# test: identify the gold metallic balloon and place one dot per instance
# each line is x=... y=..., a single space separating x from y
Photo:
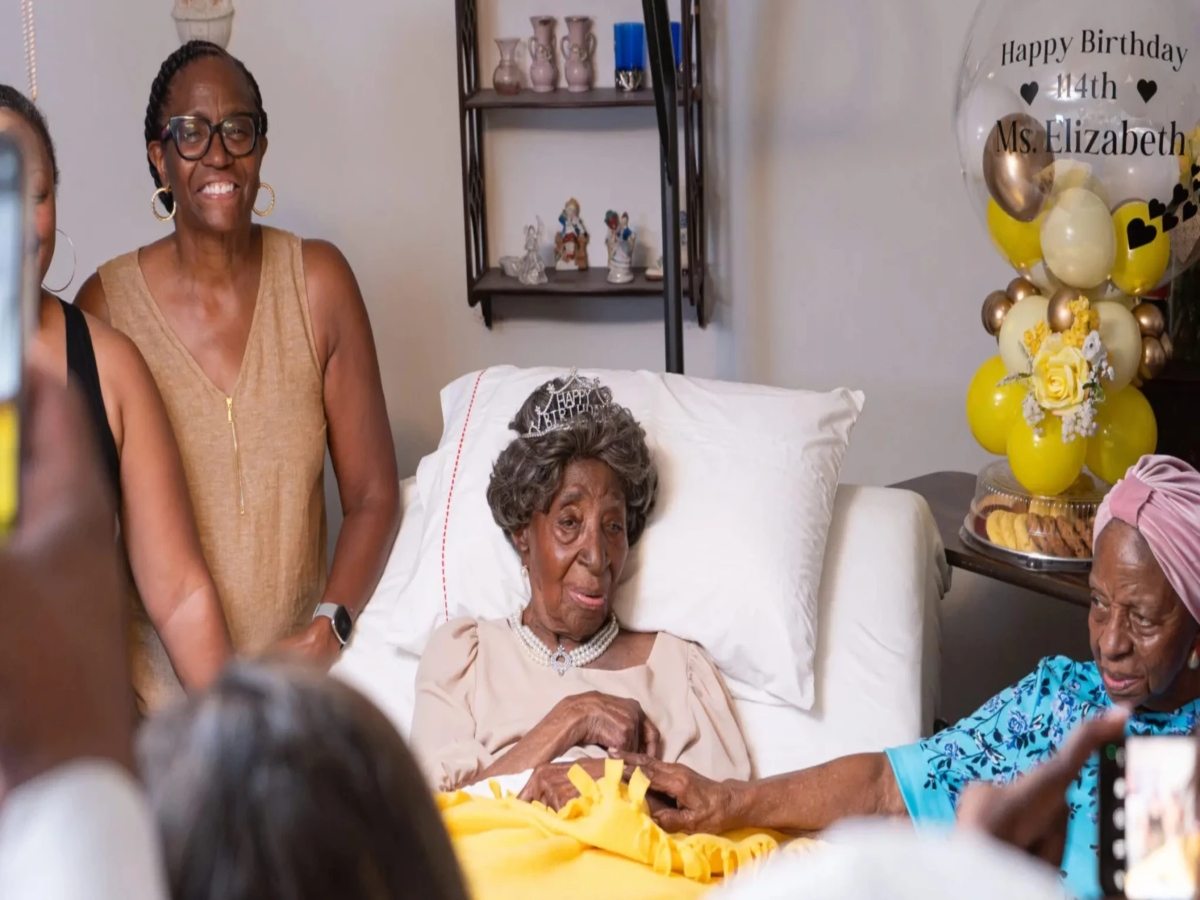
x=1018 y=166
x=1168 y=345
x=1059 y=314
x=1154 y=359
x=995 y=308
x=1020 y=288
x=1150 y=319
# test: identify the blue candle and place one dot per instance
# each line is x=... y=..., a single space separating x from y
x=630 y=45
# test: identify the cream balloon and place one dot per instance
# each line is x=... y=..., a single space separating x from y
x=1022 y=317
x=1122 y=337
x=1078 y=240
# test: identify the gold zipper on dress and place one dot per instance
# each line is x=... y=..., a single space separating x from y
x=237 y=457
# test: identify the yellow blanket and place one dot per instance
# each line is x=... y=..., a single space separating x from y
x=602 y=844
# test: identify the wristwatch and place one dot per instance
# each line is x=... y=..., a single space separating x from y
x=339 y=620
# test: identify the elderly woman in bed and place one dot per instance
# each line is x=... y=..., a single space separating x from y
x=1145 y=644
x=560 y=679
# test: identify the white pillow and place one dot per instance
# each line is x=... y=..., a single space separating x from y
x=731 y=557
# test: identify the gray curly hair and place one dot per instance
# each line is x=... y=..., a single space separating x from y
x=529 y=471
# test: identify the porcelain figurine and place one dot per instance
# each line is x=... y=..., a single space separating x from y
x=571 y=242
x=543 y=73
x=578 y=48
x=531 y=269
x=621 y=243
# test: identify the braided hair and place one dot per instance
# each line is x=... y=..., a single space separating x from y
x=160 y=90
x=12 y=99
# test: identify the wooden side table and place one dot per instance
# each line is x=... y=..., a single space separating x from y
x=949 y=495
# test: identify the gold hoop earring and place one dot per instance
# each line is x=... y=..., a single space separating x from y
x=266 y=212
x=154 y=205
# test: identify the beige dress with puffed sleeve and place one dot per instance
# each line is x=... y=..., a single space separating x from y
x=478 y=693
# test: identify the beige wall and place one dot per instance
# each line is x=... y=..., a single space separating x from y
x=844 y=249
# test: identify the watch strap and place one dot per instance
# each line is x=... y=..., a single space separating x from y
x=339 y=620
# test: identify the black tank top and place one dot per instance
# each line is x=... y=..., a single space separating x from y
x=82 y=372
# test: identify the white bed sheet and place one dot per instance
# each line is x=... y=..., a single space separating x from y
x=877 y=648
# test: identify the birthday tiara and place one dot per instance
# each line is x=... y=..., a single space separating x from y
x=574 y=398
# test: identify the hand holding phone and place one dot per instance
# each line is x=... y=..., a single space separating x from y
x=17 y=288
x=1149 y=839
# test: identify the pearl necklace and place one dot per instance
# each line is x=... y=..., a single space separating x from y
x=562 y=659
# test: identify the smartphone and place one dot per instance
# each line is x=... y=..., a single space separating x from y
x=16 y=273
x=1149 y=839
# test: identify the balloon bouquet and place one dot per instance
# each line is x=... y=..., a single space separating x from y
x=1078 y=134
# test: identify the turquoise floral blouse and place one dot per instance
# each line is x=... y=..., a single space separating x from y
x=1010 y=734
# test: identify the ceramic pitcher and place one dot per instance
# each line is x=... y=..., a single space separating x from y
x=543 y=74
x=578 y=47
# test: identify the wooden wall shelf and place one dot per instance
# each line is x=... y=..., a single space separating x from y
x=597 y=98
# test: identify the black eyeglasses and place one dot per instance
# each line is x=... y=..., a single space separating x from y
x=193 y=135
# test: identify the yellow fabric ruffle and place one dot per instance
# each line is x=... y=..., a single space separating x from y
x=603 y=843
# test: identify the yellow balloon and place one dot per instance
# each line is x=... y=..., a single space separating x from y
x=1042 y=463
x=1140 y=269
x=1020 y=319
x=1020 y=242
x=992 y=408
x=1126 y=431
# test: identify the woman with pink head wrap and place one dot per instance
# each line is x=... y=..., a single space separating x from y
x=1144 y=628
x=1145 y=583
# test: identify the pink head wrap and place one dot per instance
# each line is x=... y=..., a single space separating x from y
x=1160 y=497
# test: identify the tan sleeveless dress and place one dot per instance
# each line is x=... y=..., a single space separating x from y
x=254 y=461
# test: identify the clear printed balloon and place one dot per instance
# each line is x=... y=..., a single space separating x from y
x=1073 y=112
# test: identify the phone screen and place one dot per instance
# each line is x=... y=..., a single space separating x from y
x=1149 y=834
x=12 y=337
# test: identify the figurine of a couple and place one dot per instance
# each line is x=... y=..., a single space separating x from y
x=621 y=242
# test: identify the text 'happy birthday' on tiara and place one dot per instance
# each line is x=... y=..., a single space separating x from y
x=574 y=398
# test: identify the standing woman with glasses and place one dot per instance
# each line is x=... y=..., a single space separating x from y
x=261 y=347
x=132 y=434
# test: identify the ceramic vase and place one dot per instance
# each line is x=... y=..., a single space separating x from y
x=204 y=20
x=507 y=77
x=578 y=47
x=543 y=74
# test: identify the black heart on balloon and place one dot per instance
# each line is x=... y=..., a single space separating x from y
x=1181 y=195
x=1195 y=171
x=1147 y=89
x=1189 y=211
x=1157 y=209
x=1170 y=223
x=1029 y=92
x=1140 y=234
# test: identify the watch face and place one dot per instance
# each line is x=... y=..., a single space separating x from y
x=342 y=624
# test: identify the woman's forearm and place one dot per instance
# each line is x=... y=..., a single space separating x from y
x=543 y=744
x=813 y=799
x=196 y=638
x=362 y=551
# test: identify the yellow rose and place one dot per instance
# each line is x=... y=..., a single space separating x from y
x=1059 y=375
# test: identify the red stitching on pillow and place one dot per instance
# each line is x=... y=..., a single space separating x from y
x=450 y=494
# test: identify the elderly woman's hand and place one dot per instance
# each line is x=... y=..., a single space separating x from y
x=549 y=784
x=614 y=723
x=701 y=806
